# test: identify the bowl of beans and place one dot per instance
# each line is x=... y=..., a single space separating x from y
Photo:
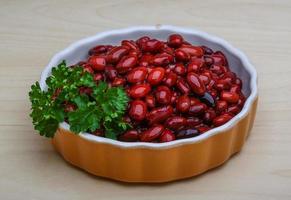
x=192 y=103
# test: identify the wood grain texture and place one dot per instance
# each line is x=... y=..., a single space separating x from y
x=31 y=32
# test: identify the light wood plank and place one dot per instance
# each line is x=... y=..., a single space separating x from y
x=32 y=31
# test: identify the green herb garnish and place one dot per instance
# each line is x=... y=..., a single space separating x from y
x=103 y=108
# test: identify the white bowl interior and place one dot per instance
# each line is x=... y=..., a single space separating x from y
x=237 y=61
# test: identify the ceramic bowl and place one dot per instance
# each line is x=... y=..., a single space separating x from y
x=157 y=162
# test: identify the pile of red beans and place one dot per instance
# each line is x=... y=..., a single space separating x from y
x=177 y=90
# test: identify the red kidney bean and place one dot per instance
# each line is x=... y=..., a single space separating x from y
x=215 y=77
x=126 y=64
x=98 y=77
x=159 y=114
x=238 y=82
x=145 y=60
x=85 y=90
x=167 y=71
x=167 y=136
x=224 y=69
x=207 y=73
x=139 y=91
x=97 y=50
x=98 y=63
x=56 y=94
x=171 y=57
x=205 y=79
x=152 y=133
x=235 y=89
x=230 y=75
x=187 y=133
x=197 y=109
x=227 y=80
x=150 y=68
x=234 y=109
x=69 y=107
x=219 y=53
x=207 y=50
x=136 y=75
x=241 y=101
x=180 y=69
x=176 y=123
x=193 y=122
x=116 y=53
x=208 y=116
x=151 y=45
x=162 y=59
x=175 y=40
x=211 y=85
x=208 y=60
x=183 y=104
x=174 y=97
x=208 y=99
x=182 y=55
x=109 y=47
x=142 y=40
x=183 y=86
x=87 y=68
x=222 y=85
x=168 y=50
x=150 y=101
x=118 y=82
x=130 y=44
x=163 y=95
x=134 y=53
x=173 y=100
x=194 y=101
x=110 y=72
x=221 y=106
x=195 y=83
x=221 y=119
x=127 y=119
x=129 y=136
x=99 y=133
x=192 y=50
x=230 y=97
x=217 y=69
x=195 y=65
x=203 y=129
x=81 y=64
x=170 y=79
x=171 y=67
x=213 y=93
x=218 y=60
x=156 y=75
x=138 y=110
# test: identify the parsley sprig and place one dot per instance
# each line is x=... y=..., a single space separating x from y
x=102 y=109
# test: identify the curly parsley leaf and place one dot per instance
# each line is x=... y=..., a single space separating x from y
x=86 y=117
x=103 y=108
x=46 y=114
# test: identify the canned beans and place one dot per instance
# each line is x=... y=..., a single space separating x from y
x=177 y=90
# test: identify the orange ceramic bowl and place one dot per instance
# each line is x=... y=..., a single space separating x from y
x=157 y=162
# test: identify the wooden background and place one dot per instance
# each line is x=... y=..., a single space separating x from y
x=31 y=32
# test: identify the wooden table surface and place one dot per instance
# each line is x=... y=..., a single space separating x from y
x=31 y=32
